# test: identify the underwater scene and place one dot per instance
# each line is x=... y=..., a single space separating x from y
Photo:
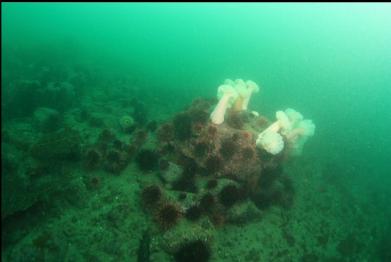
x=196 y=132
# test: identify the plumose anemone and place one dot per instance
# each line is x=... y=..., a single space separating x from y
x=252 y=88
x=272 y=142
x=227 y=95
x=292 y=126
x=301 y=130
x=270 y=139
x=244 y=90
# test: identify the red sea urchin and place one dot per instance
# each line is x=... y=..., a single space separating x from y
x=248 y=153
x=247 y=135
x=168 y=215
x=197 y=128
x=199 y=116
x=228 y=149
x=212 y=131
x=200 y=149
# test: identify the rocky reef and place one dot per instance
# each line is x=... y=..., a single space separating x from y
x=213 y=173
x=213 y=164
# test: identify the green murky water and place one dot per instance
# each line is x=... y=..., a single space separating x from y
x=87 y=87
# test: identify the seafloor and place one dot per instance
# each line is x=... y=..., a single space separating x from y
x=75 y=176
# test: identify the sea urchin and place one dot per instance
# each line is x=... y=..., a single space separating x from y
x=168 y=215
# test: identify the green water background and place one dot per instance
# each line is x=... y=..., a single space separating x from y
x=331 y=62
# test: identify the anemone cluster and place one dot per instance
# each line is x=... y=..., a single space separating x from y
x=217 y=162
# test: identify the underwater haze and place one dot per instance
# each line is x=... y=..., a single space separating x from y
x=112 y=147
